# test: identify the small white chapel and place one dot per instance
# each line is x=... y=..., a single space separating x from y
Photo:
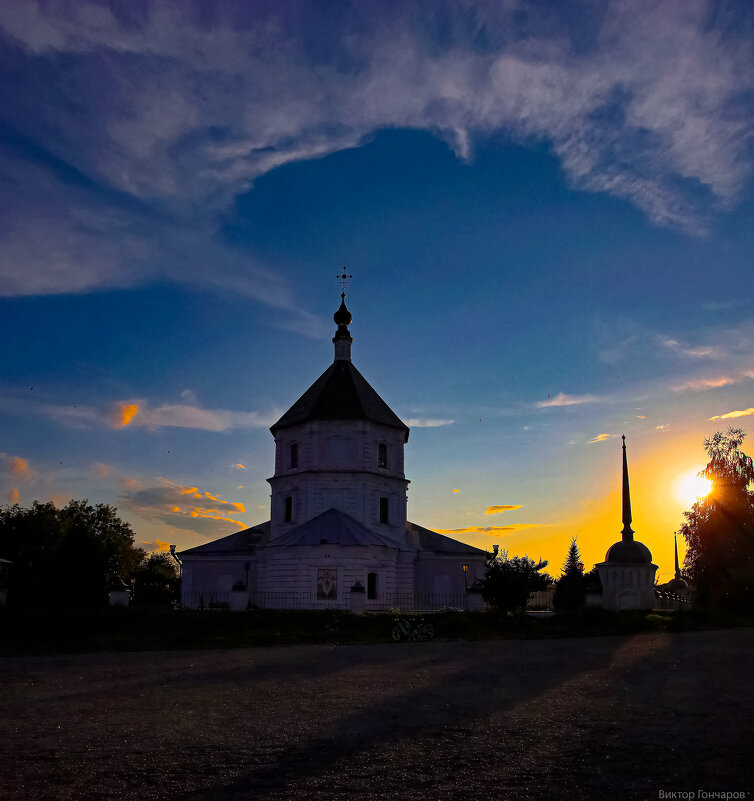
x=338 y=535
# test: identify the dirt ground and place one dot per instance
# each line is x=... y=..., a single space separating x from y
x=598 y=718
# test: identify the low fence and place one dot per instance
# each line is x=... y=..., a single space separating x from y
x=296 y=600
x=405 y=602
x=206 y=600
x=421 y=601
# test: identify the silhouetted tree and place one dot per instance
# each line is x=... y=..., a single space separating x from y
x=570 y=589
x=156 y=580
x=71 y=555
x=719 y=528
x=508 y=583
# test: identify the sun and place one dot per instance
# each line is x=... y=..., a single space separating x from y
x=689 y=487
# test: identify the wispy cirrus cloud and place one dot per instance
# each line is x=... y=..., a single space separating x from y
x=696 y=352
x=500 y=508
x=698 y=384
x=512 y=528
x=730 y=415
x=647 y=104
x=600 y=438
x=139 y=413
x=185 y=416
x=427 y=422
x=561 y=399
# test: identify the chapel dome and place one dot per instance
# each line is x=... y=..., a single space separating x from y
x=629 y=552
x=677 y=585
x=342 y=316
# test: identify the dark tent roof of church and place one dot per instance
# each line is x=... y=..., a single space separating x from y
x=333 y=527
x=244 y=541
x=340 y=393
x=438 y=543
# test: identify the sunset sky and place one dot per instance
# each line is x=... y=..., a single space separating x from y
x=547 y=209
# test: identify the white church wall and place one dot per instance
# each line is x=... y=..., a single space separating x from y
x=210 y=579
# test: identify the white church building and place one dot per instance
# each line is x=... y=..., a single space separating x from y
x=338 y=534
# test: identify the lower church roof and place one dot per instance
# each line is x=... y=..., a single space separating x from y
x=333 y=527
x=245 y=541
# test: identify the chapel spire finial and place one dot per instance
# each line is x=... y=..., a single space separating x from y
x=344 y=278
x=628 y=532
x=342 y=318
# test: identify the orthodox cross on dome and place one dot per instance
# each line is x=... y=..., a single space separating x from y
x=628 y=532
x=343 y=279
x=342 y=318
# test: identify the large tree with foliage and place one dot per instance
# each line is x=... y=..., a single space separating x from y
x=156 y=580
x=510 y=581
x=719 y=528
x=71 y=555
x=570 y=589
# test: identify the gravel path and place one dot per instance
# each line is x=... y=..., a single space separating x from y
x=594 y=718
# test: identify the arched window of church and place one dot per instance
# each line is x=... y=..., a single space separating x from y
x=384 y=518
x=382 y=455
x=294 y=454
x=288 y=508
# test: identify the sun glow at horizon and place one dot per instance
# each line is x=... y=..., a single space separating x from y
x=689 y=487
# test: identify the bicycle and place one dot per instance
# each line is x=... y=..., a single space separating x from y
x=412 y=629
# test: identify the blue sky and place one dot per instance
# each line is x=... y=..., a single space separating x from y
x=546 y=208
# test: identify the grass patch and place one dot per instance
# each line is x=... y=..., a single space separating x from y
x=46 y=630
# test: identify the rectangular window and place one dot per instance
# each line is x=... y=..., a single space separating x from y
x=294 y=454
x=383 y=510
x=371 y=586
x=327 y=584
x=382 y=455
x=288 y=508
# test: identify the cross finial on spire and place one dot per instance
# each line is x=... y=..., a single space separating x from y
x=343 y=278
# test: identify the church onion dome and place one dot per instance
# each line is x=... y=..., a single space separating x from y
x=630 y=552
x=340 y=393
x=342 y=316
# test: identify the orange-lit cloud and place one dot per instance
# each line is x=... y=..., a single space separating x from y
x=600 y=438
x=13 y=496
x=491 y=530
x=19 y=467
x=502 y=507
x=240 y=466
x=561 y=399
x=729 y=415
x=456 y=490
x=194 y=492
x=641 y=416
x=123 y=413
x=422 y=422
x=184 y=507
x=101 y=469
x=662 y=428
x=156 y=546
